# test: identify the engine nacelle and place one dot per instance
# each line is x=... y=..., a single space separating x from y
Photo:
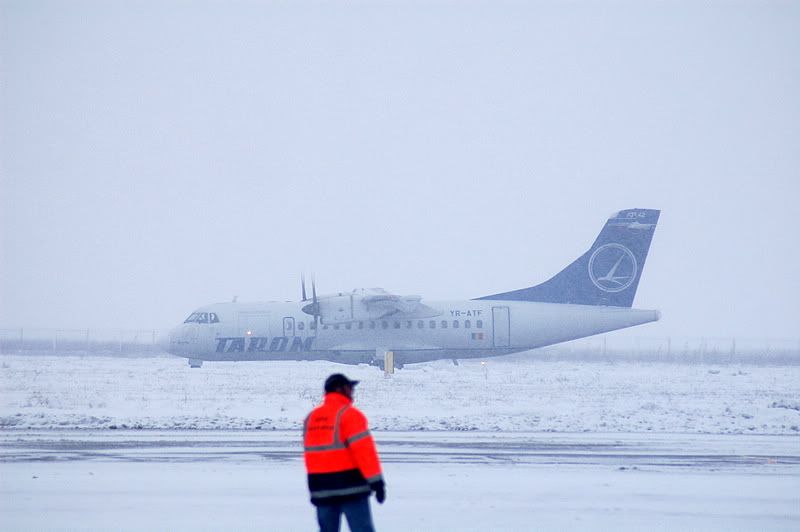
x=338 y=309
x=363 y=305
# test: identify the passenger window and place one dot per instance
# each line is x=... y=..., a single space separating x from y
x=396 y=324
x=360 y=324
x=455 y=324
x=444 y=324
x=385 y=324
x=432 y=324
x=467 y=324
x=301 y=326
x=325 y=327
x=348 y=326
x=312 y=325
x=420 y=324
x=408 y=325
x=336 y=327
x=372 y=325
x=479 y=324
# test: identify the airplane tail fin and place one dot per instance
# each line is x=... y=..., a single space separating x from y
x=608 y=273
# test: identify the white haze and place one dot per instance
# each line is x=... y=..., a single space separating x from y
x=157 y=157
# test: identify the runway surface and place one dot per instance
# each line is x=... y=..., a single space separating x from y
x=437 y=481
x=656 y=451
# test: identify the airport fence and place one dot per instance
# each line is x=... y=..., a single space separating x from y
x=123 y=342
x=145 y=342
x=700 y=350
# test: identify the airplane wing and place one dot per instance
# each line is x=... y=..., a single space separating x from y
x=386 y=304
x=369 y=304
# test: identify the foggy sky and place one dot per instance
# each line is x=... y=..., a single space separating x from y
x=156 y=158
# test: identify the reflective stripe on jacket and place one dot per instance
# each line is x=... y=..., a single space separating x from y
x=340 y=454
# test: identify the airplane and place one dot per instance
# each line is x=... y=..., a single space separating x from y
x=593 y=295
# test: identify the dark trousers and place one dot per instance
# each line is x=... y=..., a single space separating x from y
x=357 y=512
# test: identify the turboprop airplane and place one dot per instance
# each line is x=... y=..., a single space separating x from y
x=592 y=295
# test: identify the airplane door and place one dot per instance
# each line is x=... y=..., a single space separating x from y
x=288 y=326
x=501 y=327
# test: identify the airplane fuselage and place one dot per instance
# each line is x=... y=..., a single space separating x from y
x=463 y=329
x=592 y=295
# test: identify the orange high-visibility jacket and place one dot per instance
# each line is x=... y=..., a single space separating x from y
x=340 y=454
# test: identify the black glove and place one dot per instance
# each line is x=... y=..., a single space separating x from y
x=380 y=490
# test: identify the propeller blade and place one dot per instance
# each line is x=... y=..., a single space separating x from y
x=316 y=303
x=303 y=283
x=313 y=307
x=313 y=289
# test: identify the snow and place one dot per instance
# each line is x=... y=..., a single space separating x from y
x=504 y=394
x=247 y=480
x=269 y=496
x=515 y=443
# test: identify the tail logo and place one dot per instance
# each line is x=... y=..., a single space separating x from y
x=612 y=268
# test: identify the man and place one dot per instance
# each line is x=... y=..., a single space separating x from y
x=341 y=460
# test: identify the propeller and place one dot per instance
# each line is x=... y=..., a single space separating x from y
x=313 y=307
x=313 y=289
x=303 y=283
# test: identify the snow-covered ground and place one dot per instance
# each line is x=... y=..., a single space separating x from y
x=255 y=480
x=505 y=444
x=517 y=393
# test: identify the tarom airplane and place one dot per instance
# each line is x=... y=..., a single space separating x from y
x=592 y=295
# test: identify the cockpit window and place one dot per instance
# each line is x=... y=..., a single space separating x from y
x=202 y=317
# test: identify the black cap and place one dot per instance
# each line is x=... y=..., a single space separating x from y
x=336 y=381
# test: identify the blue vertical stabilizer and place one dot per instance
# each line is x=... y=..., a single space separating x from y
x=608 y=273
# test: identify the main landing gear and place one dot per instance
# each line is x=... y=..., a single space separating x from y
x=194 y=363
x=384 y=358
